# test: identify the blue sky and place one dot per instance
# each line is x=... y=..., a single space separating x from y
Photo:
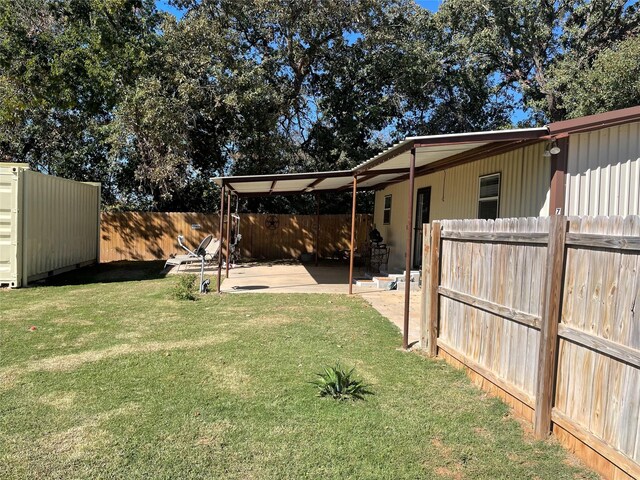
x=164 y=5
x=430 y=4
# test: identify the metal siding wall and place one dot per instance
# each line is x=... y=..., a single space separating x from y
x=394 y=234
x=524 y=192
x=60 y=223
x=603 y=172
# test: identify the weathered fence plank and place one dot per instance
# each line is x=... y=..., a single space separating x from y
x=601 y=345
x=496 y=237
x=524 y=397
x=475 y=302
x=546 y=376
x=491 y=307
x=434 y=281
x=425 y=307
x=604 y=241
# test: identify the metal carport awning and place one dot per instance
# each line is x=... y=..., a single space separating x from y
x=416 y=156
x=423 y=155
x=403 y=161
x=394 y=164
x=296 y=183
x=435 y=151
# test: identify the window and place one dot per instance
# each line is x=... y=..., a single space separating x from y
x=386 y=218
x=489 y=197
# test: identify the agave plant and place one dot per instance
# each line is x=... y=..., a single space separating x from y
x=339 y=384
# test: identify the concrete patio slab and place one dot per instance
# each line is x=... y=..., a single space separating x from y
x=289 y=278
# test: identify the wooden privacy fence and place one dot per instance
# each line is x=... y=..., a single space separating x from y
x=152 y=236
x=545 y=312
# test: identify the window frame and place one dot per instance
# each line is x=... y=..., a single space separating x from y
x=385 y=220
x=485 y=199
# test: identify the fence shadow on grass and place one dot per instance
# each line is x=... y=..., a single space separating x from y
x=124 y=271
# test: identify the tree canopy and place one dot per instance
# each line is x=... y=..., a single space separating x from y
x=152 y=106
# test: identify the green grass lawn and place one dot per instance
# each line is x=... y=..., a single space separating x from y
x=119 y=380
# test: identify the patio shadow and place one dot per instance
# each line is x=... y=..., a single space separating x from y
x=330 y=272
x=251 y=287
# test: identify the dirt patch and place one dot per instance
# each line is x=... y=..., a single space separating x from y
x=443 y=450
x=232 y=379
x=448 y=473
x=59 y=400
x=452 y=468
x=82 y=440
x=270 y=320
x=75 y=443
x=212 y=434
x=483 y=432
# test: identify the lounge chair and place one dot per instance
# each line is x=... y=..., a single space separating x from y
x=207 y=250
x=211 y=251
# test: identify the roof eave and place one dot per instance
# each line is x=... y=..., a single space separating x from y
x=594 y=122
x=451 y=139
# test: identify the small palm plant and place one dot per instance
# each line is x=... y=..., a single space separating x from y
x=339 y=384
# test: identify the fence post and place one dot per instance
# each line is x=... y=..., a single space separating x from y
x=434 y=304
x=425 y=290
x=551 y=309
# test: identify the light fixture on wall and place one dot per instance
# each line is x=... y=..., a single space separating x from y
x=552 y=148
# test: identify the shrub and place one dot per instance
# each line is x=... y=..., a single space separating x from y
x=185 y=288
x=339 y=384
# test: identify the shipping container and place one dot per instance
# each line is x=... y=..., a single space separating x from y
x=48 y=225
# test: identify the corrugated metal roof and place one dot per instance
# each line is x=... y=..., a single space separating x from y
x=286 y=183
x=386 y=166
x=393 y=162
x=434 y=141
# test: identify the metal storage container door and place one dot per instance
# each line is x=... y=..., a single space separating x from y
x=10 y=234
x=61 y=222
